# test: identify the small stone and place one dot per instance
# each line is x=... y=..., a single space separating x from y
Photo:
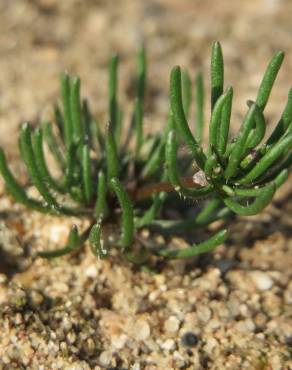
x=3 y=278
x=66 y=324
x=90 y=346
x=204 y=314
x=154 y=295
x=71 y=337
x=119 y=341
x=168 y=345
x=261 y=280
x=91 y=271
x=171 y=325
x=58 y=232
x=18 y=319
x=105 y=358
x=36 y=298
x=211 y=344
x=288 y=294
x=142 y=330
x=245 y=326
x=136 y=366
x=189 y=339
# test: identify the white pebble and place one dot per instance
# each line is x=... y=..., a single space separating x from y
x=168 y=345
x=57 y=232
x=91 y=271
x=142 y=330
x=171 y=325
x=119 y=341
x=105 y=358
x=261 y=280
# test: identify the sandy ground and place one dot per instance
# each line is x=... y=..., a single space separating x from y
x=231 y=310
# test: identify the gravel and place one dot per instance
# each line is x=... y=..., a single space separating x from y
x=230 y=310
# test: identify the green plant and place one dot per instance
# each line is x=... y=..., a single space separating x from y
x=110 y=174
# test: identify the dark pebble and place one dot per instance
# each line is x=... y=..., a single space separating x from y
x=189 y=339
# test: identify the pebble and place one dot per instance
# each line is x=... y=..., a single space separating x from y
x=136 y=366
x=36 y=298
x=66 y=323
x=261 y=280
x=105 y=358
x=189 y=339
x=142 y=330
x=3 y=278
x=91 y=271
x=204 y=314
x=171 y=325
x=168 y=345
x=211 y=344
x=245 y=326
x=71 y=337
x=288 y=294
x=119 y=341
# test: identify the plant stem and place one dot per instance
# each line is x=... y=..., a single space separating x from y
x=146 y=191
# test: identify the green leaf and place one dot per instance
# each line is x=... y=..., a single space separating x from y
x=199 y=95
x=75 y=104
x=180 y=118
x=267 y=160
x=222 y=138
x=217 y=73
x=261 y=201
x=53 y=144
x=101 y=206
x=96 y=242
x=127 y=213
x=269 y=79
x=73 y=243
x=16 y=190
x=112 y=159
x=41 y=162
x=142 y=70
x=257 y=134
x=113 y=105
x=138 y=119
x=186 y=92
x=196 y=249
x=68 y=126
x=239 y=148
x=152 y=212
x=86 y=174
x=283 y=123
x=215 y=131
x=30 y=161
x=174 y=178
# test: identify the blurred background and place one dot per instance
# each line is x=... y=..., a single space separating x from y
x=41 y=38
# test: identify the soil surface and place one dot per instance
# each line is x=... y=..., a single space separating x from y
x=228 y=310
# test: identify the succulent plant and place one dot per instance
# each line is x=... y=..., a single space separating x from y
x=118 y=175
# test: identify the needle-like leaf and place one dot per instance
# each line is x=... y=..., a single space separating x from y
x=180 y=118
x=127 y=213
x=261 y=201
x=217 y=73
x=199 y=95
x=269 y=79
x=195 y=250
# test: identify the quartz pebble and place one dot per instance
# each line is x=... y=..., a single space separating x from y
x=119 y=341
x=261 y=280
x=171 y=325
x=142 y=330
x=105 y=358
x=91 y=271
x=168 y=345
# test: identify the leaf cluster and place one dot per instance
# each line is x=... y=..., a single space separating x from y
x=114 y=173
